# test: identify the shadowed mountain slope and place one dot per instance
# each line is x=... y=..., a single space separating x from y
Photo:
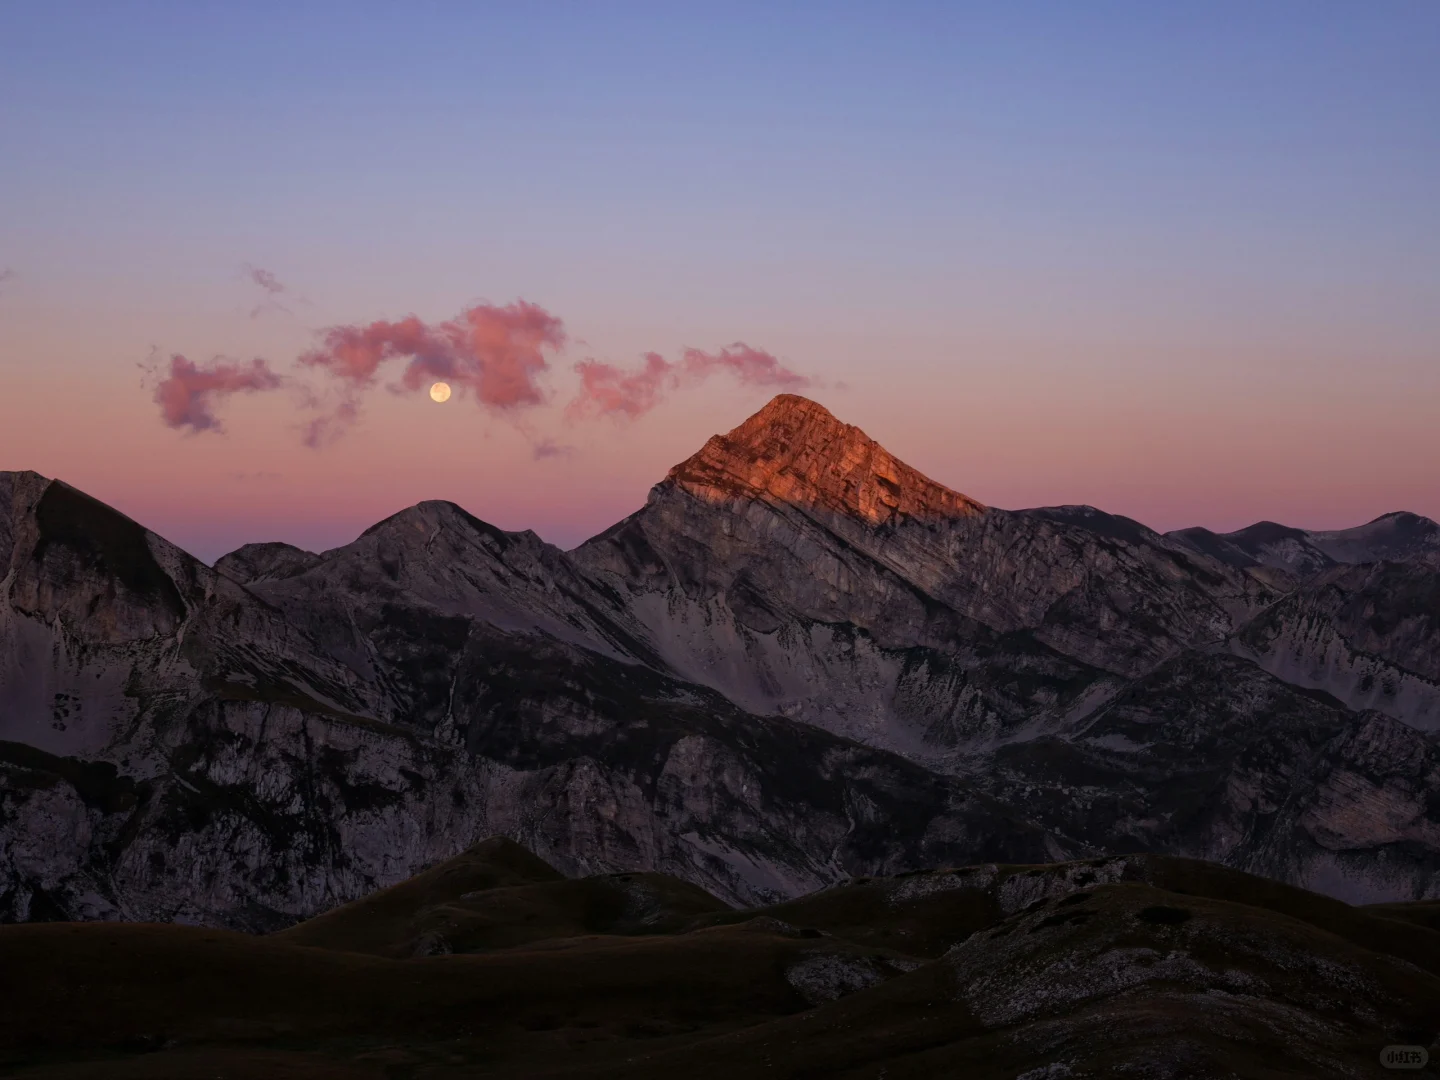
x=1367 y=634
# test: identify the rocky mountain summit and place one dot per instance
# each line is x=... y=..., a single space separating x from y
x=799 y=661
x=795 y=452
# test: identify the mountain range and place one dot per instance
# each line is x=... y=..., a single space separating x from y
x=799 y=663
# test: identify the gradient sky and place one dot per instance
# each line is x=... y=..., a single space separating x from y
x=1179 y=260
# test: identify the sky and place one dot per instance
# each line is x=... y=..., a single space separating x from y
x=1180 y=261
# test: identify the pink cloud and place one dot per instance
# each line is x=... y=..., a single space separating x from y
x=496 y=353
x=607 y=390
x=354 y=353
x=752 y=367
x=188 y=394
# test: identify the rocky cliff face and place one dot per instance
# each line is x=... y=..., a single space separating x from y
x=800 y=660
x=1208 y=754
x=1368 y=634
x=892 y=609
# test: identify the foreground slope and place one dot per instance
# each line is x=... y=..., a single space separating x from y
x=1164 y=967
x=497 y=895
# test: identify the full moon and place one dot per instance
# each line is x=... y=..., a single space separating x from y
x=440 y=392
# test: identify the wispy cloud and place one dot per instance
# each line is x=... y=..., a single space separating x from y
x=273 y=288
x=549 y=448
x=607 y=390
x=751 y=367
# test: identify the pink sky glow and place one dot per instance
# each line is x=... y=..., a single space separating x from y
x=1220 y=440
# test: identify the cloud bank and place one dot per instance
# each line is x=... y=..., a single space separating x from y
x=496 y=354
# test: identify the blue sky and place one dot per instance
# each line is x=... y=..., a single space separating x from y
x=924 y=201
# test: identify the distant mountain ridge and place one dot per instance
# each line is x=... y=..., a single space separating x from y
x=800 y=660
x=1390 y=537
